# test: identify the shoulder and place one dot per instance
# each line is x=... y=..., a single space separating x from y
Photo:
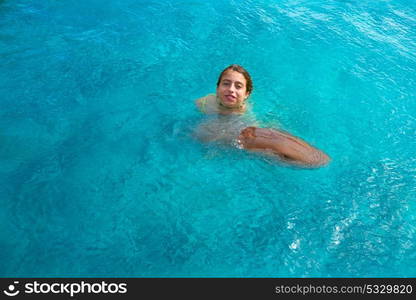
x=249 y=115
x=200 y=103
x=203 y=102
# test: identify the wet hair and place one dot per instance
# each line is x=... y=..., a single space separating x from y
x=239 y=69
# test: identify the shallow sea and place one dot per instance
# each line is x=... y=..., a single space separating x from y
x=100 y=174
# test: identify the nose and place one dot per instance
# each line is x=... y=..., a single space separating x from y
x=232 y=88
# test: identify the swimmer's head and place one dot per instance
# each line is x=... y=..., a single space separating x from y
x=234 y=86
x=239 y=69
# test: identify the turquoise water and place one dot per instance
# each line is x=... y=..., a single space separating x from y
x=100 y=174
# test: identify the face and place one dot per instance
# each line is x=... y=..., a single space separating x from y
x=232 y=90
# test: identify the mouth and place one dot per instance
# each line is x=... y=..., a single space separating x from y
x=230 y=98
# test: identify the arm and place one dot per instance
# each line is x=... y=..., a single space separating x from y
x=288 y=147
